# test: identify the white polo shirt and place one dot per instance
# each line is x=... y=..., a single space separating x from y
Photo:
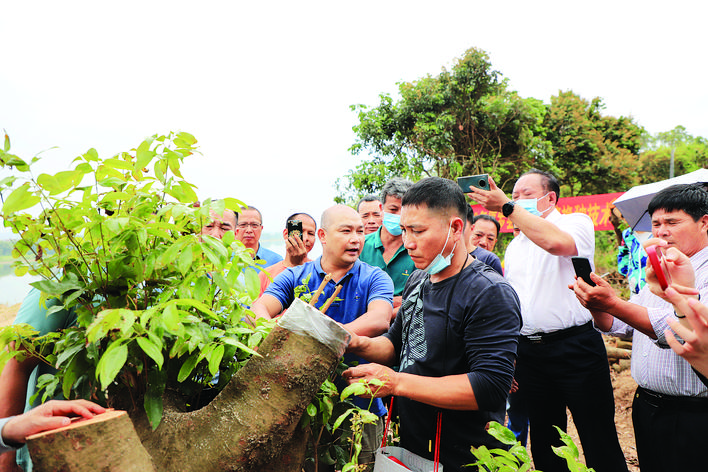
x=541 y=279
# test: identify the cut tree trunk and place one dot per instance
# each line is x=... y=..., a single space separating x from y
x=250 y=425
x=81 y=447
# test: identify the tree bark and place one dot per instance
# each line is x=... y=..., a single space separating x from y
x=250 y=426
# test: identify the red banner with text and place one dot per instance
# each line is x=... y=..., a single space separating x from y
x=596 y=207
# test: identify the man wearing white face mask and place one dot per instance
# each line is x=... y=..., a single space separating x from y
x=455 y=336
x=384 y=247
x=562 y=360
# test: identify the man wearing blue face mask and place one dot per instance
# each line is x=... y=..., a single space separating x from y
x=384 y=247
x=562 y=359
x=455 y=336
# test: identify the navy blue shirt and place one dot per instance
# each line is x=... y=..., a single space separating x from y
x=466 y=324
x=361 y=285
x=489 y=258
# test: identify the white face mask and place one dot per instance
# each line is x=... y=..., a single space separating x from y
x=441 y=263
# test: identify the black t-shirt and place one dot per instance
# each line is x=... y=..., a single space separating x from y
x=478 y=337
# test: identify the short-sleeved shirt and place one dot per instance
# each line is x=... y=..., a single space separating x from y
x=267 y=255
x=541 y=279
x=273 y=271
x=489 y=258
x=399 y=268
x=361 y=285
x=476 y=336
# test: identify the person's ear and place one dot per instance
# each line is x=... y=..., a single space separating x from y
x=285 y=233
x=322 y=236
x=703 y=223
x=458 y=226
x=553 y=198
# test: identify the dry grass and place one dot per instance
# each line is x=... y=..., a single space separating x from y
x=7 y=314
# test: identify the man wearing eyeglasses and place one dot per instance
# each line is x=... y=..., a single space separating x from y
x=248 y=231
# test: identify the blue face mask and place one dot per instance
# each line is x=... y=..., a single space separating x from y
x=531 y=205
x=441 y=263
x=392 y=223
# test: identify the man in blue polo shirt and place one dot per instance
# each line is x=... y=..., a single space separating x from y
x=366 y=297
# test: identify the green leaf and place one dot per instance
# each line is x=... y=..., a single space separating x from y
x=170 y=317
x=7 y=142
x=187 y=367
x=311 y=410
x=184 y=263
x=20 y=199
x=152 y=350
x=343 y=417
x=356 y=389
x=215 y=359
x=153 y=407
x=111 y=182
x=111 y=362
x=502 y=434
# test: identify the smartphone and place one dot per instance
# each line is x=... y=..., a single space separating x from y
x=295 y=228
x=480 y=181
x=656 y=257
x=582 y=269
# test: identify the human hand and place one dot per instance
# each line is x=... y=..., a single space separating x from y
x=679 y=270
x=492 y=199
x=296 y=250
x=514 y=386
x=694 y=332
x=369 y=372
x=600 y=298
x=48 y=416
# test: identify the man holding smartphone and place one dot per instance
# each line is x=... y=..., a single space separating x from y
x=562 y=359
x=670 y=409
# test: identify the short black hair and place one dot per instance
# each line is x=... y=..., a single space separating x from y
x=300 y=213
x=437 y=194
x=690 y=198
x=549 y=181
x=249 y=207
x=366 y=198
x=470 y=215
x=488 y=218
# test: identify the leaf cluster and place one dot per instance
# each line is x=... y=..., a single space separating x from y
x=116 y=243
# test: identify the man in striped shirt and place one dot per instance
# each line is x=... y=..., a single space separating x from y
x=670 y=410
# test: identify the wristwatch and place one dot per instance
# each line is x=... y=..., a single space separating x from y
x=508 y=208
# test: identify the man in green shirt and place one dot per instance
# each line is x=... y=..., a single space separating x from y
x=384 y=248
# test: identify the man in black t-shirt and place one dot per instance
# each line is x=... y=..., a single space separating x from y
x=455 y=337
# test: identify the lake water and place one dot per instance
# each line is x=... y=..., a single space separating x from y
x=13 y=289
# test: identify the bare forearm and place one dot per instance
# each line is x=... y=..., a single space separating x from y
x=634 y=315
x=13 y=386
x=544 y=234
x=378 y=349
x=452 y=392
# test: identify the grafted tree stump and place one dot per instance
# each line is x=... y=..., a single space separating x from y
x=249 y=426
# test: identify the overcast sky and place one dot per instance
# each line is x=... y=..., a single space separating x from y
x=266 y=86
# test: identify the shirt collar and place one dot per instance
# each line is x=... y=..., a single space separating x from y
x=350 y=272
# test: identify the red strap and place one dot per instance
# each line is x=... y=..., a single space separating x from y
x=388 y=422
x=436 y=455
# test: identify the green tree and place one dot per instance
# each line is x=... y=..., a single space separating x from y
x=462 y=121
x=591 y=153
x=690 y=153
